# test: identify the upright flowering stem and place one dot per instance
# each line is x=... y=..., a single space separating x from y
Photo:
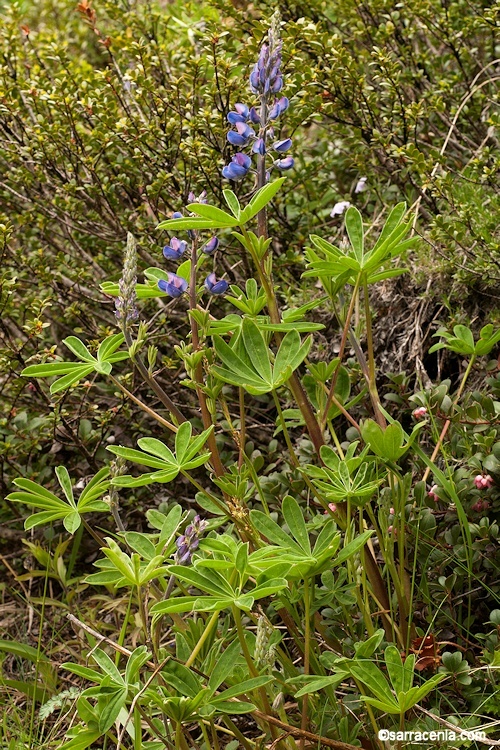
x=127 y=313
x=372 y=382
x=198 y=373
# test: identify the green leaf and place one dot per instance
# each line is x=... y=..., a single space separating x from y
x=38 y=519
x=72 y=522
x=182 y=439
x=65 y=482
x=400 y=675
x=141 y=544
x=371 y=676
x=109 y=346
x=138 y=457
x=243 y=687
x=352 y=548
x=137 y=659
x=76 y=374
x=182 y=679
x=36 y=489
x=208 y=582
x=50 y=369
x=196 y=444
x=233 y=202
x=393 y=220
x=464 y=334
x=270 y=530
x=110 y=708
x=317 y=683
x=261 y=198
x=416 y=694
x=294 y=519
x=192 y=223
x=366 y=649
x=158 y=449
x=290 y=355
x=212 y=213
x=79 y=349
x=257 y=350
x=233 y=362
x=175 y=604
x=224 y=666
x=354 y=227
x=83 y=740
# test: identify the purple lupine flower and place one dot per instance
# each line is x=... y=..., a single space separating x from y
x=282 y=146
x=175 y=286
x=177 y=215
x=234 y=117
x=286 y=163
x=175 y=250
x=240 y=115
x=238 y=168
x=242 y=109
x=339 y=208
x=254 y=116
x=280 y=106
x=214 y=285
x=211 y=246
x=242 y=135
x=259 y=147
x=189 y=541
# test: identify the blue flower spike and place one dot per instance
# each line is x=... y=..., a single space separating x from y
x=174 y=287
x=266 y=81
x=216 y=286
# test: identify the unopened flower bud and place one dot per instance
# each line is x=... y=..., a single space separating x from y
x=420 y=412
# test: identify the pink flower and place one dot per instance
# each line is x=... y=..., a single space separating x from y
x=391 y=511
x=332 y=507
x=433 y=493
x=420 y=412
x=480 y=505
x=483 y=482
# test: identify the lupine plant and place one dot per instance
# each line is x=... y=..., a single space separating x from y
x=238 y=604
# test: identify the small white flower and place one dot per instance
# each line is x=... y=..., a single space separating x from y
x=339 y=208
x=360 y=185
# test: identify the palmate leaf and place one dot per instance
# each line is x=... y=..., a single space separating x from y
x=157 y=455
x=53 y=507
x=248 y=360
x=346 y=266
x=73 y=372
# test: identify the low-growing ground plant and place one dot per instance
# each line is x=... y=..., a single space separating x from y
x=322 y=568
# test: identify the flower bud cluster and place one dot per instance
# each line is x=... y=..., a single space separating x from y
x=125 y=305
x=253 y=126
x=189 y=541
x=483 y=482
